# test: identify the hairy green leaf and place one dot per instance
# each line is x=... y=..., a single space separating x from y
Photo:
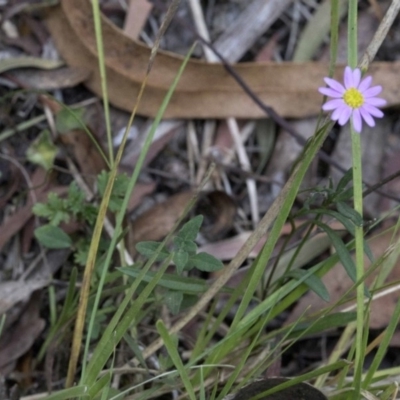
x=148 y=249
x=53 y=237
x=190 y=230
x=173 y=300
x=206 y=262
x=180 y=258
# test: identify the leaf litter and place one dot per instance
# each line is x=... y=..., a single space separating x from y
x=205 y=91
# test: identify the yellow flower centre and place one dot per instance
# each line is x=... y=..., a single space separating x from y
x=353 y=98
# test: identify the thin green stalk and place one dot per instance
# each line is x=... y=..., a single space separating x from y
x=352 y=34
x=335 y=17
x=103 y=77
x=358 y=206
x=52 y=305
x=2 y=322
x=359 y=246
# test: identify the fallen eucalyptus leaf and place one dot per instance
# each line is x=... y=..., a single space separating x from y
x=59 y=78
x=204 y=90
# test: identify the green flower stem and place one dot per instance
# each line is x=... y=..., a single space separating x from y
x=359 y=245
x=352 y=34
x=358 y=206
x=335 y=20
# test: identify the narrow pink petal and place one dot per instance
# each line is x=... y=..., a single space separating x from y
x=367 y=117
x=375 y=112
x=365 y=83
x=344 y=116
x=348 y=78
x=356 y=77
x=333 y=104
x=373 y=91
x=357 y=122
x=375 y=101
x=335 y=85
x=330 y=92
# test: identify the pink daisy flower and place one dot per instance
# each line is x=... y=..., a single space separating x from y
x=355 y=100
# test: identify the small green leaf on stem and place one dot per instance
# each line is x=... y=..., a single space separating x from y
x=53 y=237
x=206 y=262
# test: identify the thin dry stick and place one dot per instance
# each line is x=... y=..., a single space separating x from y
x=245 y=164
x=380 y=34
x=207 y=140
x=209 y=126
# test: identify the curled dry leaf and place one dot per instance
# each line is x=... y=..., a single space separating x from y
x=204 y=90
x=50 y=80
x=219 y=211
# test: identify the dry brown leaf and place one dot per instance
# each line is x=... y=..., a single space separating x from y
x=338 y=282
x=140 y=191
x=13 y=292
x=15 y=222
x=19 y=338
x=204 y=90
x=157 y=222
x=50 y=80
x=11 y=180
x=86 y=154
x=219 y=211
